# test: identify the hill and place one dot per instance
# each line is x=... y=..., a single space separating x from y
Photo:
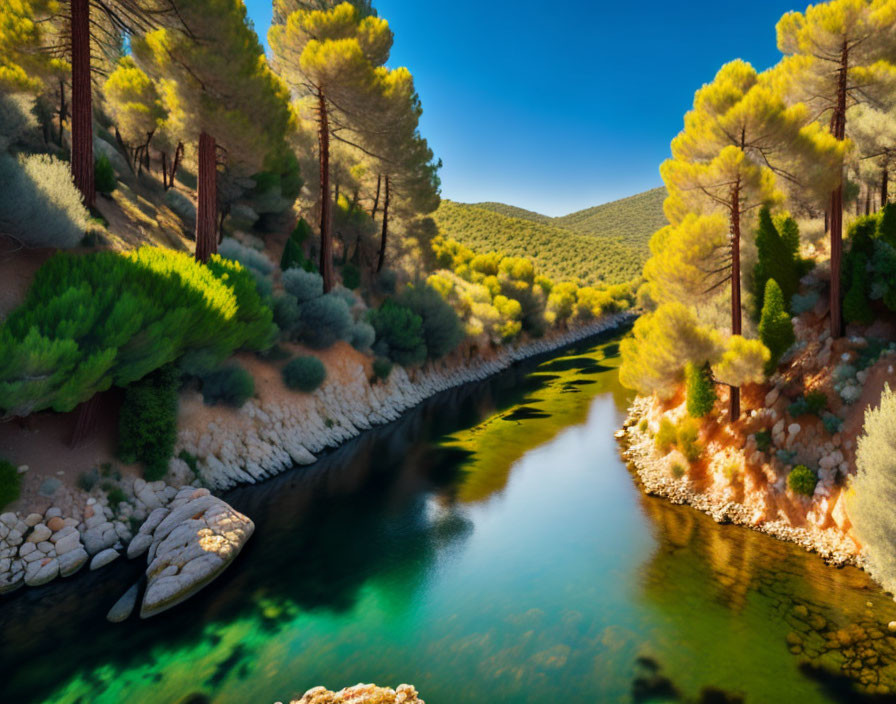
x=633 y=219
x=515 y=212
x=561 y=253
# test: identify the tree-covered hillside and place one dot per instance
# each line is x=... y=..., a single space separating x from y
x=560 y=253
x=515 y=212
x=633 y=219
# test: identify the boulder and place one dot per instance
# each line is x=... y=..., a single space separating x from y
x=192 y=546
x=124 y=607
x=361 y=694
x=72 y=561
x=101 y=559
x=41 y=571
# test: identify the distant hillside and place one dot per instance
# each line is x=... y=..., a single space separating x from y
x=515 y=212
x=633 y=219
x=561 y=254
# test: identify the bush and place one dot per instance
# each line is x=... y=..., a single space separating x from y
x=778 y=259
x=362 y=336
x=856 y=307
x=231 y=385
x=351 y=276
x=873 y=489
x=287 y=314
x=325 y=320
x=304 y=285
x=814 y=403
x=293 y=256
x=182 y=206
x=39 y=204
x=248 y=257
x=802 y=480
x=763 y=440
x=108 y=318
x=104 y=175
x=16 y=118
x=304 y=374
x=666 y=436
x=442 y=330
x=775 y=325
x=10 y=483
x=399 y=334
x=387 y=280
x=700 y=389
x=688 y=432
x=382 y=368
x=147 y=423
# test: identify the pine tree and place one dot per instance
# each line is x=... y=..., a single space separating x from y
x=775 y=325
x=840 y=54
x=701 y=393
x=777 y=259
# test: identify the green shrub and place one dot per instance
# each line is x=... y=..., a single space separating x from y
x=777 y=258
x=231 y=385
x=107 y=318
x=10 y=483
x=325 y=320
x=362 y=336
x=763 y=440
x=802 y=480
x=190 y=460
x=147 y=423
x=293 y=256
x=399 y=334
x=304 y=374
x=677 y=470
x=873 y=488
x=643 y=425
x=182 y=206
x=104 y=175
x=304 y=285
x=116 y=496
x=775 y=325
x=39 y=204
x=387 y=280
x=886 y=229
x=248 y=257
x=442 y=331
x=287 y=314
x=382 y=368
x=87 y=480
x=700 y=390
x=666 y=436
x=814 y=403
x=688 y=432
x=351 y=276
x=832 y=424
x=856 y=307
x=16 y=118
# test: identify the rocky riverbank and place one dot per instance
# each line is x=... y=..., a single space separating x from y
x=749 y=504
x=221 y=448
x=361 y=694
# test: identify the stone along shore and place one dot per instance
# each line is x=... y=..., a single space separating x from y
x=244 y=446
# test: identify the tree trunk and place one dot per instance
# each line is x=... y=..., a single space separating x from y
x=736 y=308
x=82 y=107
x=827 y=220
x=376 y=201
x=63 y=110
x=165 y=170
x=839 y=131
x=326 y=237
x=178 y=154
x=206 y=220
x=385 y=234
x=868 y=200
x=85 y=420
x=884 y=188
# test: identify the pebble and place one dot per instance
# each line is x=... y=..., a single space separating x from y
x=101 y=559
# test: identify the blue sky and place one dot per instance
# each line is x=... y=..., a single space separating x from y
x=559 y=106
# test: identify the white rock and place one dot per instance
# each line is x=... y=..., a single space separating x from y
x=71 y=562
x=39 y=533
x=38 y=573
x=32 y=519
x=68 y=542
x=124 y=607
x=139 y=545
x=103 y=558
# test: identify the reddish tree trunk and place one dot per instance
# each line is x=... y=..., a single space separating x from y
x=82 y=110
x=838 y=123
x=376 y=201
x=178 y=154
x=165 y=170
x=884 y=188
x=385 y=233
x=206 y=218
x=868 y=200
x=63 y=110
x=736 y=308
x=326 y=236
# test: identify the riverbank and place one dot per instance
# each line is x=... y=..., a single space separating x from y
x=750 y=504
x=222 y=448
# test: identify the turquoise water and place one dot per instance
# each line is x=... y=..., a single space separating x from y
x=490 y=546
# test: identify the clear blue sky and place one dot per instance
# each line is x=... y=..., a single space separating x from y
x=558 y=106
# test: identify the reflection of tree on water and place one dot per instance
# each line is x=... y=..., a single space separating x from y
x=766 y=591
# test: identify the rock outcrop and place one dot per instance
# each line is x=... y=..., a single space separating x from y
x=361 y=694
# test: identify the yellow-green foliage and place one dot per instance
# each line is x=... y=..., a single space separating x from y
x=559 y=253
x=498 y=296
x=684 y=436
x=93 y=320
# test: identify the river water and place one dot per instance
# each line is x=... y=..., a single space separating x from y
x=490 y=546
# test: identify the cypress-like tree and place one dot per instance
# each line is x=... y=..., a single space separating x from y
x=700 y=389
x=775 y=325
x=776 y=259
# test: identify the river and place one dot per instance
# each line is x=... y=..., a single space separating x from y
x=490 y=546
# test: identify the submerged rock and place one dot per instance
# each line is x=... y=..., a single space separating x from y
x=190 y=548
x=124 y=607
x=361 y=694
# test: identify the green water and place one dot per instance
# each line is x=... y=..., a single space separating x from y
x=488 y=547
